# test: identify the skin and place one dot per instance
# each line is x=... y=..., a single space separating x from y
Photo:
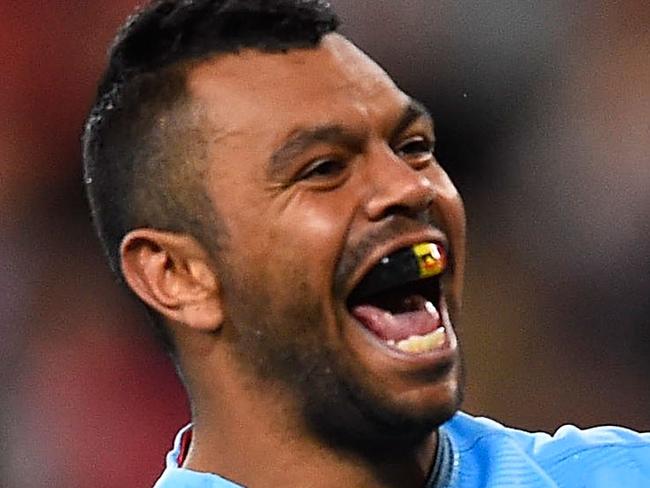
x=285 y=384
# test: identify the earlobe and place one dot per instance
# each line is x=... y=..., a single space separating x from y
x=172 y=273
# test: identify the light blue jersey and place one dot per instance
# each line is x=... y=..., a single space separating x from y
x=478 y=452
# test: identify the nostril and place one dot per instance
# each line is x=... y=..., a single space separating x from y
x=401 y=210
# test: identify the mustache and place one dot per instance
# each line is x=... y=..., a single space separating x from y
x=355 y=253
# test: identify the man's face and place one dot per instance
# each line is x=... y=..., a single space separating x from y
x=320 y=167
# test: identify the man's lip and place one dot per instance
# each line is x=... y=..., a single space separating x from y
x=441 y=356
x=404 y=240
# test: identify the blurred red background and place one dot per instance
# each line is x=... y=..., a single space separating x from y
x=543 y=116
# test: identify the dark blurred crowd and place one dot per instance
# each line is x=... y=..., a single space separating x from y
x=543 y=120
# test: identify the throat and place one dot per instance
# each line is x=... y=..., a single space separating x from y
x=399 y=303
x=407 y=464
x=306 y=463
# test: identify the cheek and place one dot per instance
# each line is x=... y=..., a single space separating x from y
x=458 y=240
x=451 y=216
x=313 y=232
x=448 y=210
x=321 y=224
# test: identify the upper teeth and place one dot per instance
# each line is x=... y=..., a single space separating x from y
x=421 y=343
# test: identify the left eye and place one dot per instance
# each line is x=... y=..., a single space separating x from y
x=415 y=146
x=323 y=168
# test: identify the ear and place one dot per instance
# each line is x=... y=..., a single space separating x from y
x=172 y=273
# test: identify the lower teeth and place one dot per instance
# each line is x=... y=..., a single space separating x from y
x=421 y=343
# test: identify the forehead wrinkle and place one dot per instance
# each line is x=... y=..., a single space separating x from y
x=350 y=81
x=302 y=139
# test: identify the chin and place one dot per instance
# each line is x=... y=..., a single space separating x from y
x=417 y=413
x=363 y=419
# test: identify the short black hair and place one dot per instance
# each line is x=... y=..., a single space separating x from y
x=139 y=169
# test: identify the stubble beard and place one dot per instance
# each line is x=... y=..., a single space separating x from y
x=290 y=350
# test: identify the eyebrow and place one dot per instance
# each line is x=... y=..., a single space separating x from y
x=413 y=111
x=302 y=139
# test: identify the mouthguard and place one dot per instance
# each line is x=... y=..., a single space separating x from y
x=406 y=265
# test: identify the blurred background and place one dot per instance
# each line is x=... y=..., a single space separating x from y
x=543 y=119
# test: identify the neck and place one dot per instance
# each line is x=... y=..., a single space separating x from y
x=259 y=455
x=252 y=435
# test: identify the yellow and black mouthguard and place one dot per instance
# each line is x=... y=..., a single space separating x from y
x=403 y=266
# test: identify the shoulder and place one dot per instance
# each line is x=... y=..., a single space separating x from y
x=569 y=457
x=567 y=441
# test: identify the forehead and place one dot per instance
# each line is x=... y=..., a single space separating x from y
x=275 y=93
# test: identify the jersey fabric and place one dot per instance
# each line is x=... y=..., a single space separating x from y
x=478 y=452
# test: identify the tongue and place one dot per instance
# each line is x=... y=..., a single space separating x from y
x=397 y=326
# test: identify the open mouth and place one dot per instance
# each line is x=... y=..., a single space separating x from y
x=399 y=299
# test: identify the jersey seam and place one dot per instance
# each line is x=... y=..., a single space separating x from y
x=566 y=456
x=482 y=437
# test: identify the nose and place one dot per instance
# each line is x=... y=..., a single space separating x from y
x=396 y=188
